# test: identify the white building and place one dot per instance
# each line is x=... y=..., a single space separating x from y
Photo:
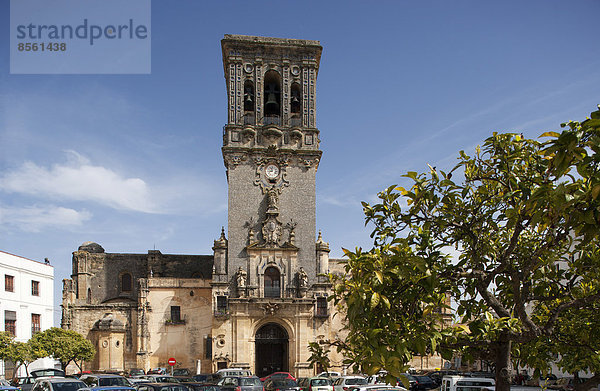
x=26 y=300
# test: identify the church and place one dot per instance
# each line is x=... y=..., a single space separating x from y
x=261 y=297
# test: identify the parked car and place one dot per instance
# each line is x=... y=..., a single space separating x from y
x=23 y=383
x=345 y=382
x=104 y=380
x=567 y=383
x=329 y=374
x=136 y=372
x=58 y=384
x=437 y=376
x=233 y=372
x=240 y=383
x=422 y=383
x=377 y=387
x=379 y=378
x=281 y=384
x=162 y=387
x=138 y=380
x=157 y=371
x=459 y=382
x=47 y=372
x=316 y=384
x=203 y=387
x=162 y=379
x=181 y=372
x=278 y=375
x=108 y=388
x=205 y=378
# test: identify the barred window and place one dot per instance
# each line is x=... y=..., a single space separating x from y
x=36 y=325
x=35 y=288
x=10 y=322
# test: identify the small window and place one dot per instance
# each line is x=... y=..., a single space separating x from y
x=88 y=299
x=36 y=326
x=126 y=282
x=35 y=288
x=321 y=306
x=208 y=347
x=272 y=282
x=175 y=313
x=10 y=322
x=9 y=283
x=221 y=305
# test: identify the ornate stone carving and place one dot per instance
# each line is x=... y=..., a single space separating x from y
x=240 y=277
x=261 y=178
x=270 y=308
x=234 y=160
x=302 y=279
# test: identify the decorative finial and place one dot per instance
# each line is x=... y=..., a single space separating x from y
x=222 y=233
x=320 y=238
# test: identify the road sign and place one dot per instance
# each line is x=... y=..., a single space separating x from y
x=172 y=361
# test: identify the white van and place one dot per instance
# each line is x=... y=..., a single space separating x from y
x=464 y=383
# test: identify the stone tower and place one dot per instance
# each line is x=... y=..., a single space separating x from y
x=267 y=283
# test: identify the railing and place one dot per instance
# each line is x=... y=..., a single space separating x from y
x=272 y=292
x=249 y=119
x=175 y=321
x=221 y=312
x=272 y=120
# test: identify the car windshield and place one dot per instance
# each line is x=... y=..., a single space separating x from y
x=356 y=381
x=320 y=382
x=174 y=388
x=68 y=386
x=113 y=381
x=250 y=382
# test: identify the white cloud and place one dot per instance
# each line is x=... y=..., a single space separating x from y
x=81 y=181
x=35 y=218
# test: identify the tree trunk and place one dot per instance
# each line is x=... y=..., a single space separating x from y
x=502 y=364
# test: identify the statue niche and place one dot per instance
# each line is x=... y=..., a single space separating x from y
x=272 y=229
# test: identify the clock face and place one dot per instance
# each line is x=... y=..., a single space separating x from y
x=272 y=171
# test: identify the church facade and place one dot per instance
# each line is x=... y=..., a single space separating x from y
x=261 y=297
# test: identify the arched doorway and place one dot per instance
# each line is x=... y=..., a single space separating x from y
x=271 y=350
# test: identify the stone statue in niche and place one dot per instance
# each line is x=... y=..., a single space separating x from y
x=302 y=278
x=240 y=277
x=272 y=200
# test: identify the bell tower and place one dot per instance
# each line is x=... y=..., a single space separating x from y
x=271 y=150
x=270 y=263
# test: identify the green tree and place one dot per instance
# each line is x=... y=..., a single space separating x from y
x=319 y=355
x=510 y=234
x=22 y=353
x=6 y=340
x=64 y=345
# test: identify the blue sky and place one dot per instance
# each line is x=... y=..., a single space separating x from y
x=133 y=162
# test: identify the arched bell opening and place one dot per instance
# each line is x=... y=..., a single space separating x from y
x=272 y=96
x=296 y=104
x=249 y=100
